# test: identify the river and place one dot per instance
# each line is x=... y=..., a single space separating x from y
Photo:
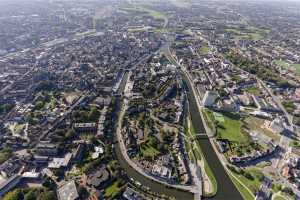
x=226 y=189
x=131 y=173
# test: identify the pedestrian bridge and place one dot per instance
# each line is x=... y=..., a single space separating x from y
x=200 y=136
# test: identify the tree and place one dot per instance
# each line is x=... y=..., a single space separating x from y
x=31 y=195
x=153 y=142
x=5 y=154
x=14 y=195
x=48 y=183
x=83 y=193
x=5 y=108
x=249 y=176
x=49 y=195
x=70 y=134
x=93 y=114
x=288 y=191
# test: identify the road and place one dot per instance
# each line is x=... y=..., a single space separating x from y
x=277 y=101
x=76 y=36
x=46 y=132
x=96 y=70
x=284 y=141
x=274 y=98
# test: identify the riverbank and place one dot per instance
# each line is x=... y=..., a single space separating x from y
x=228 y=189
x=133 y=172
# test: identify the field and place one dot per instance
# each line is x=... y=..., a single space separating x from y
x=253 y=90
x=209 y=118
x=250 y=33
x=286 y=65
x=256 y=124
x=229 y=127
x=252 y=178
x=153 y=13
x=204 y=50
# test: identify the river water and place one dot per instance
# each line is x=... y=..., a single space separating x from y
x=226 y=189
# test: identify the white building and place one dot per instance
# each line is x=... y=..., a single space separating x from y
x=277 y=125
x=209 y=98
x=68 y=191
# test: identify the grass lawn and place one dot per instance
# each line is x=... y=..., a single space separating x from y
x=289 y=106
x=112 y=190
x=256 y=36
x=250 y=33
x=297 y=67
x=287 y=65
x=209 y=118
x=161 y=30
x=264 y=164
x=282 y=63
x=149 y=151
x=294 y=143
x=153 y=13
x=253 y=184
x=281 y=196
x=218 y=117
x=212 y=178
x=232 y=30
x=253 y=90
x=277 y=197
x=230 y=128
x=198 y=155
x=244 y=192
x=204 y=50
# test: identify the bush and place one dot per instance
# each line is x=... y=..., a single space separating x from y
x=288 y=190
x=248 y=176
x=5 y=155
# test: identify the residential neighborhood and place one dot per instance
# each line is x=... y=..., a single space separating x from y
x=136 y=100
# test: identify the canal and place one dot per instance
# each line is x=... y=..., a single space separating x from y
x=226 y=190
